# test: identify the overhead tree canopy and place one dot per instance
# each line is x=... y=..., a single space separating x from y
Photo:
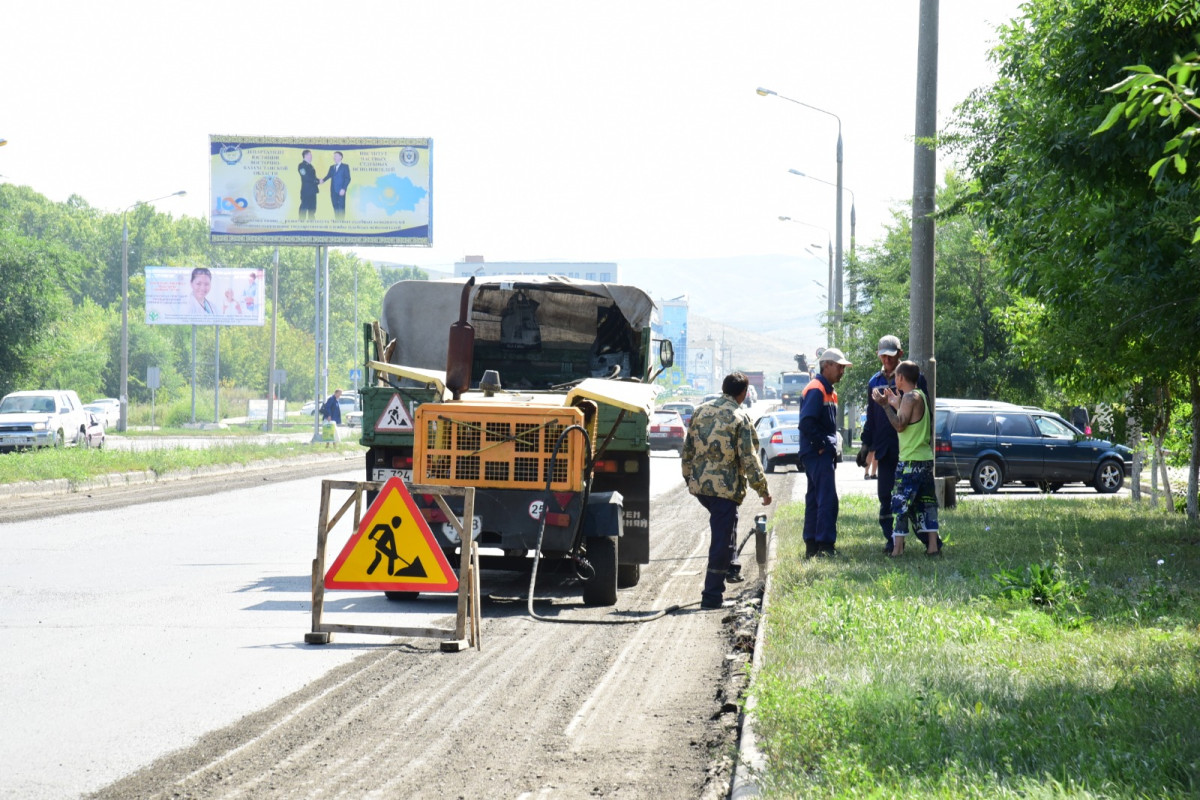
x=1105 y=252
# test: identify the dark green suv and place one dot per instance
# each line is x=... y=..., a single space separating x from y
x=991 y=444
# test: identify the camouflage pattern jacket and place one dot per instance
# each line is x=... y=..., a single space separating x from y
x=720 y=453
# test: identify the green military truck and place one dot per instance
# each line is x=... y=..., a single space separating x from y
x=474 y=384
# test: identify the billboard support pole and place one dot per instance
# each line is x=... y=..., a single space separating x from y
x=274 y=316
x=325 y=325
x=217 y=376
x=317 y=339
x=193 y=374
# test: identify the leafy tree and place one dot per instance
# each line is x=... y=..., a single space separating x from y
x=976 y=354
x=70 y=358
x=1172 y=100
x=1103 y=255
x=33 y=296
x=1169 y=98
x=61 y=320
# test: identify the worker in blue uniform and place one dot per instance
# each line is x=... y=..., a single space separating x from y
x=818 y=453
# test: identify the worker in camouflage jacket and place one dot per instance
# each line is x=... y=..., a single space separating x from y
x=720 y=456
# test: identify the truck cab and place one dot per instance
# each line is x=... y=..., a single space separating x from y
x=501 y=400
x=792 y=387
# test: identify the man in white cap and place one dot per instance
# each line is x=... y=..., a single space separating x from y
x=880 y=437
x=818 y=453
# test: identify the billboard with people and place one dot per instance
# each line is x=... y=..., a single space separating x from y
x=204 y=296
x=320 y=191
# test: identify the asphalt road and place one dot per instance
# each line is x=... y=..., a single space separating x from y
x=151 y=616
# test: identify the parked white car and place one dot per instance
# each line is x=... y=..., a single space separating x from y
x=50 y=418
x=110 y=413
x=108 y=416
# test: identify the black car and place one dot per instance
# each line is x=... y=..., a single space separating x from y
x=991 y=444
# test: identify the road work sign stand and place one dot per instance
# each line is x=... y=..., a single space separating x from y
x=393 y=549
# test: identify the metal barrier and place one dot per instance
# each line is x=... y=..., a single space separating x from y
x=465 y=632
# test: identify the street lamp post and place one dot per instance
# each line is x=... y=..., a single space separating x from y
x=838 y=224
x=123 y=423
x=853 y=217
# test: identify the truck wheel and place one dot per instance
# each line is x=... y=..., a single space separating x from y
x=60 y=438
x=1110 y=477
x=401 y=597
x=987 y=477
x=628 y=575
x=601 y=589
x=768 y=466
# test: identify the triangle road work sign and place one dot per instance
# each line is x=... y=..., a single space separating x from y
x=395 y=418
x=393 y=550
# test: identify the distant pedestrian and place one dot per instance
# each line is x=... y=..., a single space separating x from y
x=914 y=500
x=331 y=411
x=818 y=453
x=879 y=437
x=720 y=457
x=1079 y=418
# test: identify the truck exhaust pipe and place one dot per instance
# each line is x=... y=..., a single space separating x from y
x=461 y=349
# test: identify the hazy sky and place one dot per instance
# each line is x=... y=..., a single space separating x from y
x=562 y=130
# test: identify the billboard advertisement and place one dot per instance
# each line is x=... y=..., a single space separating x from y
x=204 y=296
x=320 y=191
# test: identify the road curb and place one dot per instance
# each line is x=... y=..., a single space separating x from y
x=126 y=479
x=750 y=759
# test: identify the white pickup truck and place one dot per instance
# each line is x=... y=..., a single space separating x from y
x=49 y=418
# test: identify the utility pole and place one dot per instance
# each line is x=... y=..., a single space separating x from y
x=921 y=297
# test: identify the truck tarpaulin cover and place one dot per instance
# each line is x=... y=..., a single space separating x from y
x=418 y=314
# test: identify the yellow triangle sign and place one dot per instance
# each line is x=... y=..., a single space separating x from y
x=393 y=550
x=395 y=418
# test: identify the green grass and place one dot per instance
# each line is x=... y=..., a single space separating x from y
x=78 y=464
x=1053 y=651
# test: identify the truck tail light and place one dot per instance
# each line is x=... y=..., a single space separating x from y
x=402 y=462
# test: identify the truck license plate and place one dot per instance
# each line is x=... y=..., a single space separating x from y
x=383 y=473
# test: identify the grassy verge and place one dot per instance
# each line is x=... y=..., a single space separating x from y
x=1053 y=651
x=78 y=464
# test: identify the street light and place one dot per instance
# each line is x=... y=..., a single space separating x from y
x=853 y=217
x=123 y=423
x=838 y=225
x=830 y=183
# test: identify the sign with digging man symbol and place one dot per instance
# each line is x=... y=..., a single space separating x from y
x=393 y=550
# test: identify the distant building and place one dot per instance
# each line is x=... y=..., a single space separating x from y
x=602 y=271
x=675 y=328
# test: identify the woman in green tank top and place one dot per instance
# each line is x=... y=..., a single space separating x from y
x=914 y=501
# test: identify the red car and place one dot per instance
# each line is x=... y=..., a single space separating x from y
x=667 y=431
